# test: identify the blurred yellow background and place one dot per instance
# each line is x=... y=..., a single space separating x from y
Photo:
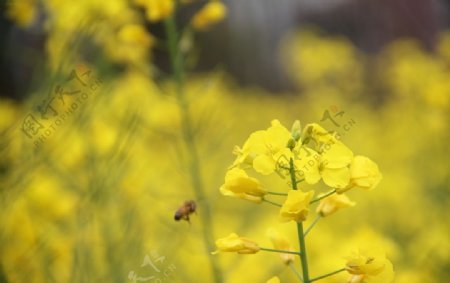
x=90 y=198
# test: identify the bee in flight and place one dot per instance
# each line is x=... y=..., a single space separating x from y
x=185 y=210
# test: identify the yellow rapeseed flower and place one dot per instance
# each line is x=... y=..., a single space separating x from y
x=364 y=174
x=234 y=243
x=318 y=134
x=333 y=203
x=369 y=267
x=263 y=149
x=280 y=242
x=296 y=206
x=239 y=184
x=331 y=158
x=334 y=166
x=23 y=12
x=157 y=10
x=135 y=34
x=131 y=44
x=307 y=164
x=212 y=13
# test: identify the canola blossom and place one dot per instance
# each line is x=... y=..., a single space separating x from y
x=156 y=10
x=369 y=267
x=263 y=149
x=364 y=174
x=212 y=13
x=234 y=243
x=287 y=154
x=280 y=242
x=239 y=184
x=333 y=203
x=296 y=206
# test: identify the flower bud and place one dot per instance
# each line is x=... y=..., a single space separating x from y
x=234 y=243
x=333 y=203
x=281 y=243
x=296 y=130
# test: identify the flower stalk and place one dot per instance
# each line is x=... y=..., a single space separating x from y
x=327 y=275
x=312 y=225
x=324 y=196
x=271 y=202
x=280 y=251
x=277 y=193
x=189 y=140
x=291 y=265
x=301 y=235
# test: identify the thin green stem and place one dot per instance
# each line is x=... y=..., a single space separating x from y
x=277 y=194
x=303 y=256
x=326 y=275
x=280 y=251
x=292 y=173
x=189 y=140
x=312 y=224
x=324 y=196
x=295 y=271
x=301 y=237
x=175 y=56
x=271 y=202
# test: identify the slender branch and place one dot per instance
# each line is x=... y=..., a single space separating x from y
x=324 y=196
x=312 y=224
x=303 y=257
x=292 y=173
x=277 y=194
x=301 y=237
x=271 y=202
x=295 y=271
x=326 y=275
x=189 y=140
x=280 y=251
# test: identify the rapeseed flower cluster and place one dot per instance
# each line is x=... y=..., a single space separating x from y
x=310 y=155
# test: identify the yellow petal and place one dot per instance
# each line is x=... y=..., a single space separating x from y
x=296 y=206
x=264 y=164
x=336 y=155
x=336 y=178
x=274 y=279
x=364 y=173
x=333 y=203
x=213 y=12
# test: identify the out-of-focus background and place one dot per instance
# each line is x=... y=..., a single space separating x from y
x=93 y=162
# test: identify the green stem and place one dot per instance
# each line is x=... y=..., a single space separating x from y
x=188 y=135
x=292 y=173
x=271 y=202
x=303 y=257
x=277 y=194
x=312 y=225
x=326 y=275
x=295 y=271
x=280 y=251
x=301 y=237
x=324 y=196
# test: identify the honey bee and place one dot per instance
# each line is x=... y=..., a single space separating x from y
x=185 y=210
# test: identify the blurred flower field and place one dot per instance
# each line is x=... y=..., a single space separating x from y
x=88 y=192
